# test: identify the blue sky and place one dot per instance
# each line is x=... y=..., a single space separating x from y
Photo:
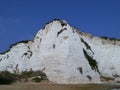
x=21 y=19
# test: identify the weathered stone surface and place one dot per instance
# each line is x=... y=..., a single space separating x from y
x=66 y=55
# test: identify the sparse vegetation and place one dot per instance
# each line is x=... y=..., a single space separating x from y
x=26 y=74
x=87 y=45
x=92 y=62
x=111 y=39
x=8 y=78
x=104 y=78
x=31 y=73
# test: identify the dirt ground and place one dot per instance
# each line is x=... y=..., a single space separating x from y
x=51 y=86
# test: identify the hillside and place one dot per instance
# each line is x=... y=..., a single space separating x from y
x=66 y=55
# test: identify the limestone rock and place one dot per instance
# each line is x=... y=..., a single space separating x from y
x=66 y=55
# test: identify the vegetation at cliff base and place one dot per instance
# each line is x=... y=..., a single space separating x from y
x=9 y=78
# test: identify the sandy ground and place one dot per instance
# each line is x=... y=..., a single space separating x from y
x=45 y=85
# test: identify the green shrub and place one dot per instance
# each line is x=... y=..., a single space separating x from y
x=27 y=74
x=39 y=73
x=36 y=76
x=6 y=77
x=92 y=62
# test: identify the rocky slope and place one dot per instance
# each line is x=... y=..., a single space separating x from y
x=66 y=55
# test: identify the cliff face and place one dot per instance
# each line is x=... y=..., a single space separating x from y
x=66 y=55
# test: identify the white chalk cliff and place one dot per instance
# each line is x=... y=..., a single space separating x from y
x=66 y=55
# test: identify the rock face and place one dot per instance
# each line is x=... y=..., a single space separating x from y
x=66 y=55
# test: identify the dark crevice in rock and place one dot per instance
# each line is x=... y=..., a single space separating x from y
x=16 y=71
x=61 y=31
x=28 y=47
x=87 y=45
x=40 y=40
x=0 y=59
x=63 y=24
x=37 y=46
x=89 y=77
x=116 y=75
x=7 y=56
x=28 y=54
x=54 y=46
x=80 y=70
x=61 y=21
x=25 y=54
x=43 y=69
x=92 y=62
